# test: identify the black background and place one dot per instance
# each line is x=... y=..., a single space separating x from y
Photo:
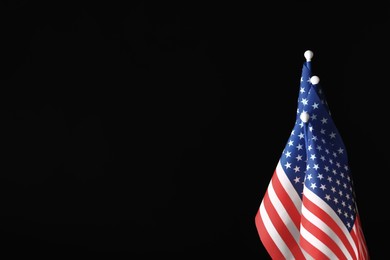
x=152 y=128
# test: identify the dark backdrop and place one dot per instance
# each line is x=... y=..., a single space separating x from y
x=153 y=129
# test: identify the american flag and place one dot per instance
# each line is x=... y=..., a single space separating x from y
x=309 y=209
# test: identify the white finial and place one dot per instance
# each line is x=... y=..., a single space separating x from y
x=314 y=80
x=304 y=117
x=308 y=55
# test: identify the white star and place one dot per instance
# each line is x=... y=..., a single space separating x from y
x=296 y=169
x=315 y=105
x=324 y=120
x=288 y=165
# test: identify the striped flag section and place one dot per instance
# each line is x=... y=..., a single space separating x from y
x=309 y=209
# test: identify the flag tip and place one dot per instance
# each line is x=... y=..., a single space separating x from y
x=314 y=80
x=308 y=55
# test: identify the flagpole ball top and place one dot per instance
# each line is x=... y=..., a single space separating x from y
x=314 y=80
x=308 y=55
x=304 y=117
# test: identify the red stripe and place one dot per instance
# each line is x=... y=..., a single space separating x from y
x=286 y=200
x=267 y=241
x=321 y=214
x=323 y=237
x=281 y=228
x=355 y=239
x=286 y=236
x=313 y=251
x=362 y=237
x=363 y=252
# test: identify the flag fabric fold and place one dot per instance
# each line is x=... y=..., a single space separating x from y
x=309 y=209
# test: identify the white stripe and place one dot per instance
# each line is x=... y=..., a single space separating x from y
x=307 y=256
x=317 y=243
x=288 y=187
x=296 y=200
x=359 y=233
x=274 y=233
x=323 y=226
x=283 y=213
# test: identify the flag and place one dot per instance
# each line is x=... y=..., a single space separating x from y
x=309 y=209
